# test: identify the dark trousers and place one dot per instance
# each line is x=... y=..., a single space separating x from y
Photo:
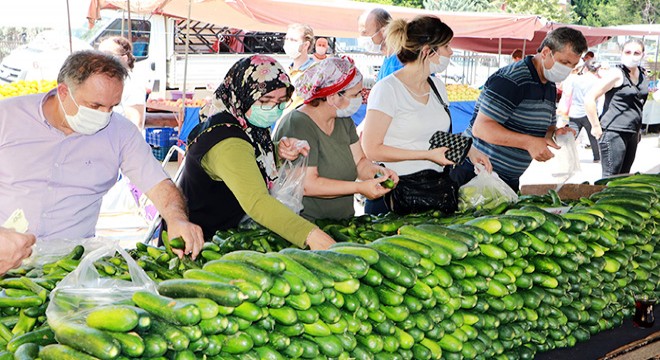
x=375 y=207
x=583 y=122
x=617 y=150
x=463 y=173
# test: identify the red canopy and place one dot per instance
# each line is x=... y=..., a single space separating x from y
x=481 y=32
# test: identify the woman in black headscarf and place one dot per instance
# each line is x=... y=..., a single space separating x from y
x=230 y=164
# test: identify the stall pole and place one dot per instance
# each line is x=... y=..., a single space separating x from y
x=68 y=19
x=185 y=66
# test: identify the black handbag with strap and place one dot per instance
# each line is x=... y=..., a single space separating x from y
x=425 y=190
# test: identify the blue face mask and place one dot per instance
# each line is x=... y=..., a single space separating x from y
x=264 y=118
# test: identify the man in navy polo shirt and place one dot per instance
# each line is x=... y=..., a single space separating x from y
x=514 y=118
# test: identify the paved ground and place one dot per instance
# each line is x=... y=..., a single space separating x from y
x=647 y=161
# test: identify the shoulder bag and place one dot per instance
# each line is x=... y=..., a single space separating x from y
x=425 y=190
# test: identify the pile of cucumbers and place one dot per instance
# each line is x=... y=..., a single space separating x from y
x=505 y=285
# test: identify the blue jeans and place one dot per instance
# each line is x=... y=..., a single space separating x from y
x=617 y=151
x=375 y=207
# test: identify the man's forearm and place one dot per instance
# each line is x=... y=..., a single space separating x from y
x=496 y=134
x=169 y=201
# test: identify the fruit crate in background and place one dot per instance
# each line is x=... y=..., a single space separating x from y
x=161 y=139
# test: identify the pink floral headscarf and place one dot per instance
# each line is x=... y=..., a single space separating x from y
x=327 y=77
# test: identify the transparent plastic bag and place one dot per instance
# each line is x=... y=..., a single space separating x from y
x=566 y=161
x=289 y=186
x=47 y=251
x=84 y=289
x=485 y=191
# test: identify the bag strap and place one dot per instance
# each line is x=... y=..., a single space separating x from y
x=442 y=102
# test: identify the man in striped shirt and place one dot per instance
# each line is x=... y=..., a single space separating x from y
x=514 y=118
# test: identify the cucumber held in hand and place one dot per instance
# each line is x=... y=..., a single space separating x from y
x=388 y=183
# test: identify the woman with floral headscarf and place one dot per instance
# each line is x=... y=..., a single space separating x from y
x=332 y=92
x=230 y=163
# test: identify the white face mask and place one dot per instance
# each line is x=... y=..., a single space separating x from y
x=631 y=61
x=440 y=66
x=558 y=72
x=292 y=48
x=86 y=121
x=368 y=44
x=351 y=109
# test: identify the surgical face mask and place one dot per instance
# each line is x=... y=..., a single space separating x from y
x=264 y=118
x=631 y=61
x=440 y=66
x=292 y=49
x=368 y=44
x=86 y=121
x=352 y=108
x=558 y=72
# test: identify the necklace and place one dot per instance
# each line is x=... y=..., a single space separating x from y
x=414 y=93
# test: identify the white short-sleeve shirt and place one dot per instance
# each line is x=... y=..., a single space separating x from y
x=413 y=123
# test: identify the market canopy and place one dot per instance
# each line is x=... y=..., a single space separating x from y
x=481 y=32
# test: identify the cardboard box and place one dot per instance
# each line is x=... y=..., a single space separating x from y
x=566 y=192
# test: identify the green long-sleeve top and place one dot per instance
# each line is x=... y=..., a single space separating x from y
x=233 y=161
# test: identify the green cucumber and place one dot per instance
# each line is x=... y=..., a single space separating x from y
x=317 y=263
x=222 y=294
x=251 y=290
x=240 y=270
x=131 y=344
x=427 y=233
x=369 y=255
x=354 y=264
x=312 y=283
x=172 y=310
x=259 y=260
x=63 y=352
x=84 y=338
x=113 y=318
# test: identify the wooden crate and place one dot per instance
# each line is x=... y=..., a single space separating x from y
x=566 y=192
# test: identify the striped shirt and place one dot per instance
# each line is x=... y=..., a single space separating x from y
x=515 y=97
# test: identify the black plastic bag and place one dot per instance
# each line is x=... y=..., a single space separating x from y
x=423 y=191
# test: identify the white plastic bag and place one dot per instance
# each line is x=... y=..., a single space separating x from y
x=47 y=251
x=289 y=186
x=566 y=161
x=84 y=289
x=485 y=191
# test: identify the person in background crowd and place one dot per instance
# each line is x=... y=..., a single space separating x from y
x=576 y=88
x=515 y=116
x=332 y=90
x=321 y=48
x=589 y=55
x=230 y=164
x=371 y=26
x=626 y=88
x=297 y=44
x=62 y=152
x=134 y=96
x=516 y=55
x=403 y=112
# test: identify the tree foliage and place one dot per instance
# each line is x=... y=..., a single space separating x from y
x=406 y=3
x=616 y=12
x=462 y=5
x=583 y=12
x=549 y=9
